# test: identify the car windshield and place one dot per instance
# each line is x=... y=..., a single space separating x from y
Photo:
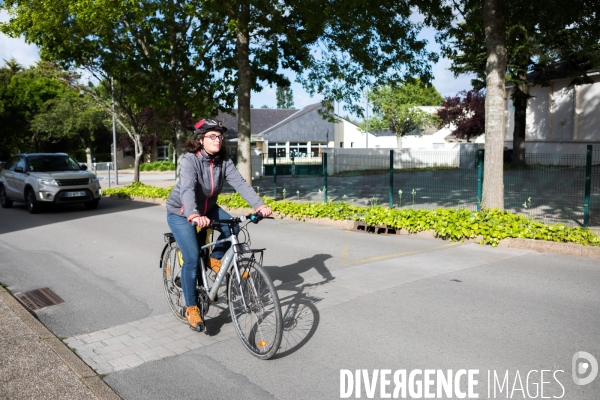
x=52 y=164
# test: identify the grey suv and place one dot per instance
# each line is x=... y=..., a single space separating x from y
x=39 y=179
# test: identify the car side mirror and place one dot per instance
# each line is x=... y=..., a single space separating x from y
x=19 y=169
x=83 y=167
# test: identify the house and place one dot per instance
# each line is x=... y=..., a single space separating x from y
x=561 y=118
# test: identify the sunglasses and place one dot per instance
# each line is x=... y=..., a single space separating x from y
x=215 y=137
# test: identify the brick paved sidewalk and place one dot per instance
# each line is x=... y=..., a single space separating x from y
x=35 y=364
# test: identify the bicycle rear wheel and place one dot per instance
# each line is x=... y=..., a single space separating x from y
x=255 y=310
x=171 y=266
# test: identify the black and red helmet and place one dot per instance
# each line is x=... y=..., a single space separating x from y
x=207 y=125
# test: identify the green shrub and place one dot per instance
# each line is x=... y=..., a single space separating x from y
x=138 y=189
x=492 y=225
x=158 y=166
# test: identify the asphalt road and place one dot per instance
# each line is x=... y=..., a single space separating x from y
x=353 y=301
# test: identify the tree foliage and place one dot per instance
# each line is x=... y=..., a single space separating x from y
x=23 y=95
x=397 y=108
x=285 y=97
x=166 y=55
x=188 y=55
x=465 y=112
x=71 y=115
x=544 y=41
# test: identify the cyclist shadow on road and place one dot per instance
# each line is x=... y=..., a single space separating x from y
x=298 y=302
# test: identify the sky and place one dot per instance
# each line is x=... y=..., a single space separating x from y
x=444 y=80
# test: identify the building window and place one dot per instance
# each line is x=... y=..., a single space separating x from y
x=162 y=153
x=276 y=150
x=341 y=144
x=298 y=149
x=316 y=149
x=127 y=152
x=351 y=144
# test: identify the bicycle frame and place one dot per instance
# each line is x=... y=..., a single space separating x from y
x=228 y=261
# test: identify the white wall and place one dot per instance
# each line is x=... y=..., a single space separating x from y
x=560 y=119
x=343 y=160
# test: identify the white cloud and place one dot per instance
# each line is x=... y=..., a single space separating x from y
x=25 y=54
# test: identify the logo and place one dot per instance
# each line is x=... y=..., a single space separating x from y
x=584 y=364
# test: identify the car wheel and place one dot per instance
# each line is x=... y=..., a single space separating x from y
x=90 y=205
x=5 y=202
x=33 y=206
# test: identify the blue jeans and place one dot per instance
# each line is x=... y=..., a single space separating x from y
x=188 y=242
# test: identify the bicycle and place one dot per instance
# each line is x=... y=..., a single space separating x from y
x=253 y=302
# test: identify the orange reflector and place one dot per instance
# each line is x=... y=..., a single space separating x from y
x=262 y=344
x=169 y=270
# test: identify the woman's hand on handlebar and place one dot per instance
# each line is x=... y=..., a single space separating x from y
x=264 y=210
x=200 y=221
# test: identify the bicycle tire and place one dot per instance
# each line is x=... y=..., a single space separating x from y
x=171 y=267
x=258 y=321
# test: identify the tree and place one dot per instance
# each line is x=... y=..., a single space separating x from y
x=23 y=93
x=544 y=40
x=334 y=48
x=285 y=97
x=397 y=108
x=71 y=115
x=172 y=49
x=190 y=54
x=466 y=112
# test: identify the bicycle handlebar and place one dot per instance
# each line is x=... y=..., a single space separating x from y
x=254 y=218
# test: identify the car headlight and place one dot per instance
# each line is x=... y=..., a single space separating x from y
x=47 y=181
x=93 y=179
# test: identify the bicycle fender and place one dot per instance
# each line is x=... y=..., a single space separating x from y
x=162 y=254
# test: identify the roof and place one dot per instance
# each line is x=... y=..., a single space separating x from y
x=305 y=125
x=292 y=117
x=261 y=119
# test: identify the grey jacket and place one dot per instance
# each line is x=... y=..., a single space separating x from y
x=201 y=180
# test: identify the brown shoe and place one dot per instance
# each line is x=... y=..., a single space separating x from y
x=215 y=265
x=193 y=316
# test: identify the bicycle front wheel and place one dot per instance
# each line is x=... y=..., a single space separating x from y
x=171 y=265
x=255 y=310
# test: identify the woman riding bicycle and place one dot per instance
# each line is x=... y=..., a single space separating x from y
x=204 y=168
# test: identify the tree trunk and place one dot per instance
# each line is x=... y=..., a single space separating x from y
x=180 y=138
x=244 y=164
x=399 y=140
x=139 y=152
x=520 y=97
x=495 y=41
x=88 y=156
x=86 y=142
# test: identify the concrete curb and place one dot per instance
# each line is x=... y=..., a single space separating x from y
x=570 y=249
x=86 y=375
x=140 y=199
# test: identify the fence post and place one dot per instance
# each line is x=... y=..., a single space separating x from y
x=325 y=174
x=275 y=176
x=479 y=178
x=588 y=186
x=293 y=165
x=391 y=179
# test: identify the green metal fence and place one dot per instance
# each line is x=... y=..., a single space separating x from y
x=550 y=188
x=593 y=192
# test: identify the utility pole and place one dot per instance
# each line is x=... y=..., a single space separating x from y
x=367 y=122
x=114 y=124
